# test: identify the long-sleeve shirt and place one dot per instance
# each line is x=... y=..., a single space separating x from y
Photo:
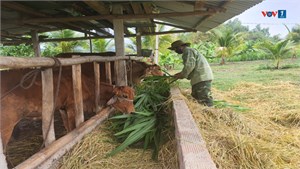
x=196 y=67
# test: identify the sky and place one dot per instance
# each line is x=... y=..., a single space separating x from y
x=254 y=16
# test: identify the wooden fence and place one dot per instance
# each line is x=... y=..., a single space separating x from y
x=41 y=158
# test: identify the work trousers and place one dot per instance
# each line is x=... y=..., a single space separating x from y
x=202 y=93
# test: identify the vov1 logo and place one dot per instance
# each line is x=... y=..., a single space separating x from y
x=279 y=13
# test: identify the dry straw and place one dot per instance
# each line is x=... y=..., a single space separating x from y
x=92 y=151
x=266 y=136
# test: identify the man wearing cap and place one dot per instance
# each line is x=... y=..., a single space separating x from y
x=196 y=69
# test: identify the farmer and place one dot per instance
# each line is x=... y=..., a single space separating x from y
x=196 y=69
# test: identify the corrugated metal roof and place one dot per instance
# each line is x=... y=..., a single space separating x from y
x=19 y=18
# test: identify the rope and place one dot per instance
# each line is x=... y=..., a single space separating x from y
x=31 y=74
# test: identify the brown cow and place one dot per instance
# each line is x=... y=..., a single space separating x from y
x=20 y=103
x=140 y=70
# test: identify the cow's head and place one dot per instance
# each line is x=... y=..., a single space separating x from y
x=122 y=99
x=154 y=70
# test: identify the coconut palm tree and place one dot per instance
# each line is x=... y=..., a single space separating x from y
x=148 y=42
x=294 y=36
x=225 y=40
x=66 y=46
x=102 y=45
x=277 y=50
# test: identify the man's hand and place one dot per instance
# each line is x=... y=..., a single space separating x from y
x=178 y=75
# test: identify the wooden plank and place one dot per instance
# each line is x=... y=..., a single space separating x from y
x=191 y=147
x=199 y=5
x=98 y=6
x=48 y=107
x=147 y=7
x=137 y=8
x=49 y=157
x=120 y=66
x=97 y=85
x=108 y=73
x=77 y=91
x=19 y=62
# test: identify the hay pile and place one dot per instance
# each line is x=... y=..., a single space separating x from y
x=92 y=150
x=266 y=136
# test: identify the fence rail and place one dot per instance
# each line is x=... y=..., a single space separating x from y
x=18 y=62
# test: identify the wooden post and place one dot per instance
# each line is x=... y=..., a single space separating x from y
x=36 y=43
x=77 y=91
x=156 y=46
x=91 y=44
x=138 y=42
x=120 y=66
x=3 y=163
x=108 y=73
x=97 y=85
x=48 y=106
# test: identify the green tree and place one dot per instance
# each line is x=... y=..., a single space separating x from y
x=148 y=42
x=236 y=26
x=259 y=34
x=22 y=50
x=65 y=46
x=102 y=45
x=277 y=50
x=225 y=40
x=294 y=35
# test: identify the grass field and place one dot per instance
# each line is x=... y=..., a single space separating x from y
x=256 y=121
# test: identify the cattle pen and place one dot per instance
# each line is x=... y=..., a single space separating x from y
x=191 y=149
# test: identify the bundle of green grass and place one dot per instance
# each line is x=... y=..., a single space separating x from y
x=148 y=133
x=147 y=126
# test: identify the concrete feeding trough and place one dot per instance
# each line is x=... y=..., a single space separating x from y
x=191 y=147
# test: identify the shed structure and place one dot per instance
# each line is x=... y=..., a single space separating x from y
x=96 y=18
x=25 y=21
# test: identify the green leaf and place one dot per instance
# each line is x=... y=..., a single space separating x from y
x=133 y=138
x=134 y=127
x=123 y=116
x=144 y=113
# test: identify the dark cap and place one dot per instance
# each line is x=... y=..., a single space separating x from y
x=178 y=43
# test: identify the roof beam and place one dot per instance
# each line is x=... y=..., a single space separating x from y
x=119 y=16
x=221 y=7
x=199 y=5
x=176 y=26
x=5 y=42
x=27 y=10
x=21 y=8
x=148 y=9
x=101 y=8
x=98 y=6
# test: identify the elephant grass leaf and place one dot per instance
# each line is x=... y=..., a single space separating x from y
x=135 y=136
x=131 y=128
x=148 y=123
